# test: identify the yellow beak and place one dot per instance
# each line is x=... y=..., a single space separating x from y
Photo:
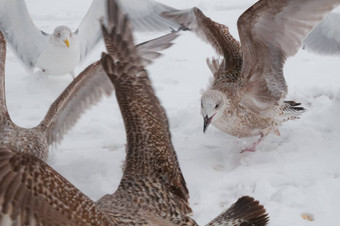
x=67 y=43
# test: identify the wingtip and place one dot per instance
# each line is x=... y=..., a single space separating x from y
x=246 y=212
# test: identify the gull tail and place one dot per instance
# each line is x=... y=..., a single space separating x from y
x=245 y=212
x=291 y=110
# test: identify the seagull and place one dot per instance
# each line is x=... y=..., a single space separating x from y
x=325 y=38
x=84 y=91
x=247 y=95
x=61 y=52
x=152 y=190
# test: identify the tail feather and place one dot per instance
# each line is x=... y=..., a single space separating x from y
x=292 y=106
x=245 y=212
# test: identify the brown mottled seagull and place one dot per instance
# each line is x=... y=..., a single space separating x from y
x=152 y=180
x=152 y=190
x=247 y=96
x=84 y=91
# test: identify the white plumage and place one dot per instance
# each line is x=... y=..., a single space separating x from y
x=325 y=38
x=59 y=53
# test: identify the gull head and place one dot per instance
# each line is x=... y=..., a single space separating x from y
x=63 y=36
x=213 y=104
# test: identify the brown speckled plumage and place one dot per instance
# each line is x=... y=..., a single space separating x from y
x=152 y=190
x=246 y=97
x=153 y=187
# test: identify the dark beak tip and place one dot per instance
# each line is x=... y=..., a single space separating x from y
x=206 y=123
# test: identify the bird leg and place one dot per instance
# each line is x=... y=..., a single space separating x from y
x=252 y=148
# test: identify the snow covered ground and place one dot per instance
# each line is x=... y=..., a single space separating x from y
x=294 y=174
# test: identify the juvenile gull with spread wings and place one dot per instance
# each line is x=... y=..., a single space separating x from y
x=247 y=96
x=84 y=91
x=60 y=52
x=152 y=180
x=152 y=190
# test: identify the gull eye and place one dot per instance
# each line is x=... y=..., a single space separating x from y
x=216 y=106
x=58 y=35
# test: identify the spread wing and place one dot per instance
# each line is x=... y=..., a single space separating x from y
x=214 y=33
x=151 y=166
x=83 y=92
x=149 y=50
x=26 y=40
x=145 y=15
x=270 y=31
x=89 y=30
x=32 y=193
x=88 y=88
x=325 y=38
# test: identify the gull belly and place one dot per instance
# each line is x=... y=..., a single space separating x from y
x=59 y=60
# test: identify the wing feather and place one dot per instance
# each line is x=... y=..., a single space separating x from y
x=89 y=30
x=88 y=88
x=149 y=50
x=325 y=38
x=212 y=32
x=31 y=192
x=151 y=162
x=26 y=40
x=84 y=91
x=145 y=15
x=246 y=211
x=270 y=31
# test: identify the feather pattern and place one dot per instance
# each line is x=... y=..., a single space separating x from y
x=146 y=125
x=246 y=211
x=32 y=193
x=212 y=32
x=83 y=92
x=23 y=36
x=270 y=31
x=152 y=190
x=152 y=179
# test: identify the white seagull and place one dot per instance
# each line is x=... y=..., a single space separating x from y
x=60 y=52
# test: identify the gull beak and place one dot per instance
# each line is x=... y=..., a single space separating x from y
x=67 y=43
x=207 y=122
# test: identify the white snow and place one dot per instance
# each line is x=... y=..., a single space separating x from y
x=294 y=174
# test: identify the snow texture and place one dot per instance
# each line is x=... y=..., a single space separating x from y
x=293 y=174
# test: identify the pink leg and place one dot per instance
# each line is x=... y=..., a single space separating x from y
x=252 y=148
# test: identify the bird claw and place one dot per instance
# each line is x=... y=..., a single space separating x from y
x=253 y=147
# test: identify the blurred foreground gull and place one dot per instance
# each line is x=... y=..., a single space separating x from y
x=325 y=38
x=152 y=190
x=247 y=96
x=84 y=91
x=59 y=53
